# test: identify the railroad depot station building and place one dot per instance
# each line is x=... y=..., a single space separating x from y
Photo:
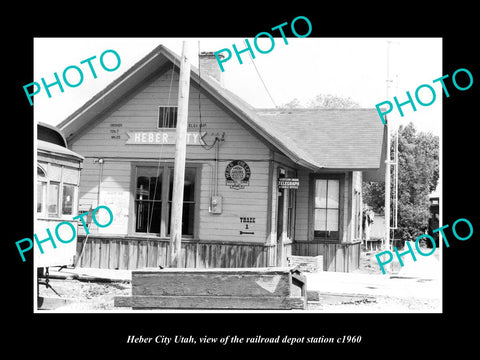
x=238 y=209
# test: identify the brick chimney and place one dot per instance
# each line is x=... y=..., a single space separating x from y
x=209 y=66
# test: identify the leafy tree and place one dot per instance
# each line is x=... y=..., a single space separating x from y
x=418 y=161
x=324 y=101
x=329 y=101
x=293 y=104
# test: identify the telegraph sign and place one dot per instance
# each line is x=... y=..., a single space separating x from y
x=288 y=183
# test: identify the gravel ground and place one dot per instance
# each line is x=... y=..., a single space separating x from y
x=91 y=296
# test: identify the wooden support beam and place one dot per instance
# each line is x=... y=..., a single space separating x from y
x=210 y=302
x=235 y=288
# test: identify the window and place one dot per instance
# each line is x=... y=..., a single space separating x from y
x=148 y=200
x=327 y=209
x=56 y=198
x=52 y=199
x=167 y=116
x=67 y=199
x=153 y=201
x=41 y=190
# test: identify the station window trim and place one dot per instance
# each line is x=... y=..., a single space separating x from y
x=315 y=236
x=161 y=229
x=167 y=117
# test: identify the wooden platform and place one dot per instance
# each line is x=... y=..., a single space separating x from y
x=219 y=288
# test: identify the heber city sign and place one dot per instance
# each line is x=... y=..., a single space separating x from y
x=166 y=137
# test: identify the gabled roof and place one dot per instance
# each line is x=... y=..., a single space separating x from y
x=336 y=147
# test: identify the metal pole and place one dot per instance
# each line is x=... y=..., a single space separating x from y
x=180 y=154
x=387 y=167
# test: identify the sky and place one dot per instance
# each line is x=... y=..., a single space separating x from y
x=302 y=69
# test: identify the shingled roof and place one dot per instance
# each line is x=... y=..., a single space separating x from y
x=315 y=139
x=334 y=138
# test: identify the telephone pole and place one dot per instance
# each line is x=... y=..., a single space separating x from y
x=387 y=167
x=180 y=154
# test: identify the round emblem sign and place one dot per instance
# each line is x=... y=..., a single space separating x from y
x=237 y=174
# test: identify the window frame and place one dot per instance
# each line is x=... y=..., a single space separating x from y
x=43 y=180
x=164 y=220
x=311 y=207
x=47 y=183
x=160 y=107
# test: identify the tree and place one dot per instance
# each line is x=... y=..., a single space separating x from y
x=418 y=161
x=329 y=101
x=324 y=101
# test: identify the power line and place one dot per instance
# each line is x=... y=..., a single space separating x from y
x=261 y=79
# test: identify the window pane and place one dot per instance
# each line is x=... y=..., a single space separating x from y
x=320 y=219
x=40 y=172
x=67 y=199
x=148 y=207
x=149 y=183
x=141 y=210
x=320 y=193
x=167 y=117
x=333 y=194
x=143 y=186
x=155 y=217
x=149 y=215
x=41 y=187
x=332 y=220
x=52 y=201
x=187 y=219
x=189 y=185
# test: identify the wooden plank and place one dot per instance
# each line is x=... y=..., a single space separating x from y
x=123 y=254
x=86 y=261
x=152 y=253
x=330 y=257
x=250 y=270
x=104 y=253
x=142 y=258
x=113 y=254
x=210 y=302
x=162 y=254
x=131 y=251
x=210 y=284
x=340 y=258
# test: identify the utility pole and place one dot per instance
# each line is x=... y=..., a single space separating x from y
x=180 y=154
x=387 y=167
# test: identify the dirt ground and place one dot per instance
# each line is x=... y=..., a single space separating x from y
x=92 y=296
x=85 y=295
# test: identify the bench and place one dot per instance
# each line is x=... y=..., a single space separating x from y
x=217 y=288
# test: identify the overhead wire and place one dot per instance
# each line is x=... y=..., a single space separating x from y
x=261 y=79
x=202 y=141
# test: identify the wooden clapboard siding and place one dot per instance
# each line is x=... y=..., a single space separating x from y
x=343 y=257
x=136 y=253
x=139 y=112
